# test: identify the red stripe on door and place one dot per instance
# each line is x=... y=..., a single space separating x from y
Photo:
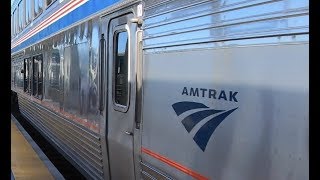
x=174 y=164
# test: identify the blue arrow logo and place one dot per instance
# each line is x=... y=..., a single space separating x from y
x=203 y=135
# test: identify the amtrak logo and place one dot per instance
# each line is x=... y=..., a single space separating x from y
x=203 y=135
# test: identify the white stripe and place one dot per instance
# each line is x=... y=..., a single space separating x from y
x=31 y=32
x=59 y=15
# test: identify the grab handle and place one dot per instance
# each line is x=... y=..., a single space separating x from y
x=102 y=60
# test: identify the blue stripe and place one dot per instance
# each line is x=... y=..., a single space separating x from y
x=84 y=11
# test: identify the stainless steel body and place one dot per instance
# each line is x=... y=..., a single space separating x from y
x=70 y=107
x=225 y=90
x=175 y=89
x=266 y=137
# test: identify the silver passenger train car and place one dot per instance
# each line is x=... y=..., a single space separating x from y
x=167 y=89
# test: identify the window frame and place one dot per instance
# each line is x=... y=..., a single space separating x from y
x=117 y=30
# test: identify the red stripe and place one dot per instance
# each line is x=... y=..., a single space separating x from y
x=44 y=24
x=174 y=164
x=33 y=30
x=40 y=25
x=84 y=122
x=48 y=20
x=56 y=12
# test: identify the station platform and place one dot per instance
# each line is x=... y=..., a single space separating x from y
x=27 y=159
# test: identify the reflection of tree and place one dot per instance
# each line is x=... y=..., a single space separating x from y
x=93 y=96
x=93 y=89
x=54 y=70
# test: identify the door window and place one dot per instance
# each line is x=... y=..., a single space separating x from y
x=121 y=86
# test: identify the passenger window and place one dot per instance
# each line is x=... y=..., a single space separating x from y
x=21 y=15
x=19 y=19
x=38 y=6
x=49 y=2
x=15 y=21
x=28 y=11
x=121 y=68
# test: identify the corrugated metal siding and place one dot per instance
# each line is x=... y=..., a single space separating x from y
x=81 y=145
x=170 y=23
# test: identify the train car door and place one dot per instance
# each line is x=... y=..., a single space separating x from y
x=121 y=96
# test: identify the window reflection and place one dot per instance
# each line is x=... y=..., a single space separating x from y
x=38 y=5
x=121 y=68
x=21 y=15
x=28 y=11
x=48 y=2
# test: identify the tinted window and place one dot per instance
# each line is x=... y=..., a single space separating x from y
x=28 y=11
x=21 y=15
x=38 y=6
x=121 y=68
x=17 y=74
x=16 y=22
x=48 y=2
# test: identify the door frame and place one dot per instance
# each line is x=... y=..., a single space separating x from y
x=137 y=54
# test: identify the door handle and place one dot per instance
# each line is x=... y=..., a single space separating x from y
x=128 y=133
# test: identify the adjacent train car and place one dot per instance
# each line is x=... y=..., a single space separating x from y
x=167 y=89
